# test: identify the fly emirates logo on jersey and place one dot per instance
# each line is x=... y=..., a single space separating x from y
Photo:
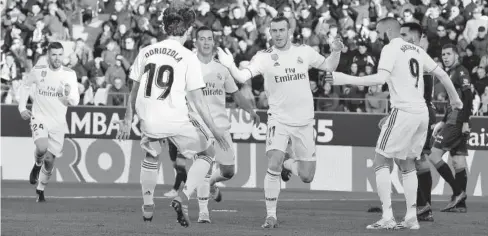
x=213 y=89
x=49 y=91
x=291 y=75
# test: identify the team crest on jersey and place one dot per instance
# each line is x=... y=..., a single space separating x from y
x=300 y=60
x=274 y=57
x=219 y=76
x=43 y=73
x=276 y=64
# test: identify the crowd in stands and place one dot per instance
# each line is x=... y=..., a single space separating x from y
x=242 y=27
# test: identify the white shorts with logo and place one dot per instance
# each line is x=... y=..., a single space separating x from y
x=189 y=140
x=301 y=138
x=403 y=134
x=55 y=137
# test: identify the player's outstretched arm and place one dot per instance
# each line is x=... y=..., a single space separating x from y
x=125 y=125
x=227 y=60
x=332 y=61
x=338 y=78
x=24 y=92
x=449 y=86
x=245 y=105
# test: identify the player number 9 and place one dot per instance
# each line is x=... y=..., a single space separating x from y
x=414 y=70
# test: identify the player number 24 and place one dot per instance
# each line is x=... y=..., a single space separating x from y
x=163 y=79
x=414 y=70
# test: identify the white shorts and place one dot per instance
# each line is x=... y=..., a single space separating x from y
x=189 y=141
x=279 y=136
x=55 y=137
x=225 y=157
x=403 y=134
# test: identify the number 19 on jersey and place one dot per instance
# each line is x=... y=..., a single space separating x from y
x=159 y=76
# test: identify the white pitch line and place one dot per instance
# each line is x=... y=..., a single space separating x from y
x=239 y=200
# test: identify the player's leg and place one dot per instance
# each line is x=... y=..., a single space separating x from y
x=149 y=175
x=225 y=170
x=203 y=194
x=193 y=143
x=276 y=143
x=179 y=164
x=303 y=147
x=424 y=211
x=460 y=168
x=447 y=140
x=54 y=149
x=389 y=143
x=40 y=137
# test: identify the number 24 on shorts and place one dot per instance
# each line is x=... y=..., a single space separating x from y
x=35 y=127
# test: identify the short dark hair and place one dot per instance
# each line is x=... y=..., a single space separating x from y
x=203 y=28
x=279 y=18
x=55 y=45
x=177 y=18
x=414 y=27
x=451 y=46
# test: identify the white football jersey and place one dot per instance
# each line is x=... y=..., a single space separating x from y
x=406 y=64
x=218 y=82
x=48 y=84
x=166 y=71
x=286 y=82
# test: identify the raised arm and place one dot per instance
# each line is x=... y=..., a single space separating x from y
x=24 y=91
x=226 y=59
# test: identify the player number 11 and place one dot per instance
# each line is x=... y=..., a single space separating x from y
x=414 y=70
x=162 y=77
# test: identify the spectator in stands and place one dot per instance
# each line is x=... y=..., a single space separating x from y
x=117 y=93
x=328 y=99
x=376 y=100
x=484 y=102
x=471 y=61
x=480 y=80
x=480 y=43
x=473 y=25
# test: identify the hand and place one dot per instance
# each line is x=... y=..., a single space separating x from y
x=382 y=122
x=336 y=45
x=219 y=136
x=456 y=103
x=466 y=128
x=437 y=128
x=26 y=114
x=255 y=118
x=123 y=132
x=329 y=78
x=64 y=89
x=225 y=57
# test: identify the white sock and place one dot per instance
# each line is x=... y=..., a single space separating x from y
x=291 y=165
x=149 y=179
x=383 y=184
x=217 y=176
x=44 y=177
x=410 y=184
x=203 y=192
x=272 y=187
x=196 y=174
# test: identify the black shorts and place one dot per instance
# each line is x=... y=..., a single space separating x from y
x=451 y=138
x=429 y=141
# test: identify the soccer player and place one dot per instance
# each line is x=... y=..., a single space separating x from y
x=452 y=133
x=404 y=133
x=218 y=82
x=291 y=114
x=56 y=88
x=169 y=73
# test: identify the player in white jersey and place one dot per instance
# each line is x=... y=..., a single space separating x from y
x=56 y=87
x=218 y=82
x=291 y=113
x=164 y=75
x=404 y=133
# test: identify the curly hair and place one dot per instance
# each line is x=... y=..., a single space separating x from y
x=177 y=18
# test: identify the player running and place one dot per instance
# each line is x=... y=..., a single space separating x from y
x=452 y=133
x=56 y=88
x=218 y=82
x=169 y=73
x=404 y=133
x=291 y=114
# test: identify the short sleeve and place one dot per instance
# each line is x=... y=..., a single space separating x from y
x=229 y=84
x=193 y=74
x=314 y=58
x=429 y=63
x=257 y=64
x=387 y=62
x=136 y=70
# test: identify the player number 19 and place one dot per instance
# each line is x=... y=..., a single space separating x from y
x=162 y=77
x=414 y=70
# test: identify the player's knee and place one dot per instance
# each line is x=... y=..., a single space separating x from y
x=151 y=158
x=227 y=171
x=436 y=156
x=380 y=161
x=48 y=160
x=406 y=165
x=459 y=162
x=307 y=177
x=41 y=147
x=275 y=159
